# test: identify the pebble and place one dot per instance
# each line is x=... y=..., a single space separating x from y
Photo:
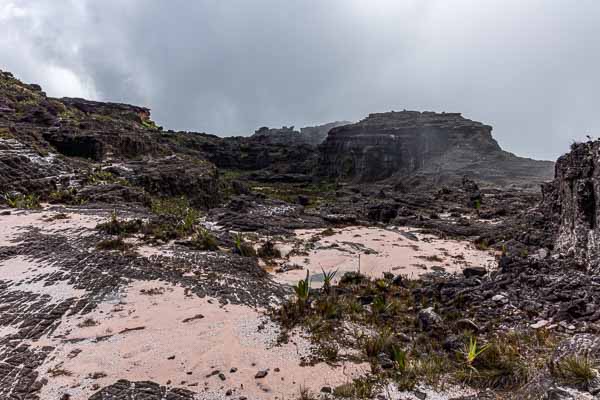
x=261 y=374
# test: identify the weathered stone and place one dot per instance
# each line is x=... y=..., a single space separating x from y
x=428 y=319
x=437 y=146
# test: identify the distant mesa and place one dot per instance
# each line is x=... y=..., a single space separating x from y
x=433 y=146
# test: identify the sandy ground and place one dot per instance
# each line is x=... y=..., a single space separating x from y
x=143 y=335
x=151 y=330
x=28 y=276
x=13 y=224
x=397 y=250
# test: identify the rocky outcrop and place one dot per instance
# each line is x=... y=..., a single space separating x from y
x=437 y=147
x=48 y=145
x=315 y=135
x=572 y=201
x=310 y=135
x=177 y=176
x=267 y=160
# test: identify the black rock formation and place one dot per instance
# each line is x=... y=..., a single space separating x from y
x=572 y=200
x=438 y=147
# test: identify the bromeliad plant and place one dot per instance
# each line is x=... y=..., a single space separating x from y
x=328 y=279
x=302 y=289
x=399 y=357
x=472 y=351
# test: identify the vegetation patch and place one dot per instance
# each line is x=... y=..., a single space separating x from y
x=242 y=247
x=378 y=321
x=26 y=201
x=204 y=240
x=113 y=244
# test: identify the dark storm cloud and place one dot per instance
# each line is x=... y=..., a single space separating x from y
x=230 y=66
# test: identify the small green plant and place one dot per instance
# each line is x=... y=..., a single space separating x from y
x=472 y=351
x=242 y=247
x=399 y=357
x=149 y=124
x=26 y=201
x=482 y=244
x=328 y=279
x=501 y=365
x=379 y=343
x=477 y=204
x=302 y=289
x=379 y=305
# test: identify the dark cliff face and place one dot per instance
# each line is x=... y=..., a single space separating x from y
x=433 y=145
x=572 y=200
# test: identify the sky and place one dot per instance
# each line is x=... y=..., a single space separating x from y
x=528 y=68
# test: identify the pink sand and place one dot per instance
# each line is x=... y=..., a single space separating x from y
x=394 y=253
x=226 y=337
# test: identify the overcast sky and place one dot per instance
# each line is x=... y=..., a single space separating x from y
x=531 y=69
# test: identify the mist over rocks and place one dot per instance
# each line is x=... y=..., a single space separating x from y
x=436 y=146
x=311 y=135
x=235 y=218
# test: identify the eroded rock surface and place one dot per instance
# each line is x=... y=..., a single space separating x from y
x=434 y=146
x=572 y=200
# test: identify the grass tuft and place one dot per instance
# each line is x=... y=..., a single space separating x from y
x=575 y=370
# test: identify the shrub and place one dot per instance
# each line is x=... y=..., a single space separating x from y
x=65 y=196
x=113 y=244
x=115 y=226
x=101 y=177
x=268 y=250
x=353 y=278
x=380 y=343
x=178 y=212
x=242 y=247
x=499 y=364
x=204 y=240
x=26 y=201
x=575 y=370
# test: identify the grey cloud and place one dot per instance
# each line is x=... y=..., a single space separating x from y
x=228 y=67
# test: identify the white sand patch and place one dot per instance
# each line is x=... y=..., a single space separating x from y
x=18 y=220
x=148 y=251
x=447 y=392
x=224 y=338
x=21 y=274
x=374 y=251
x=8 y=330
